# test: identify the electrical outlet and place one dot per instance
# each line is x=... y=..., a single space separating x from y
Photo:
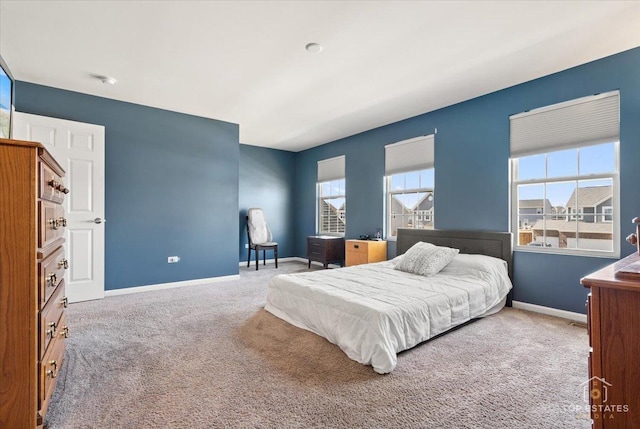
x=173 y=259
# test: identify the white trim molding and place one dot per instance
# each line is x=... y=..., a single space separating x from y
x=172 y=285
x=576 y=317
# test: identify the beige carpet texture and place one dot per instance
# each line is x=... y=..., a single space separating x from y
x=211 y=357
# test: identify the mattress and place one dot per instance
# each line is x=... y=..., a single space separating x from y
x=374 y=311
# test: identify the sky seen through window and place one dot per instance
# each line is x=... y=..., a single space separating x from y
x=584 y=161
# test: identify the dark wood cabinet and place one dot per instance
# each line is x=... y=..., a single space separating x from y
x=613 y=316
x=325 y=249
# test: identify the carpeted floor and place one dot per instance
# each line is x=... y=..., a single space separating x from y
x=211 y=357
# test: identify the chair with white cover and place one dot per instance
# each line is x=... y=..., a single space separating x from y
x=259 y=236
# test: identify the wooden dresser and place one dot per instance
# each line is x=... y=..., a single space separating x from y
x=613 y=315
x=32 y=295
x=365 y=251
x=326 y=249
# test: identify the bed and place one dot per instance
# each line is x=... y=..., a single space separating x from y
x=373 y=311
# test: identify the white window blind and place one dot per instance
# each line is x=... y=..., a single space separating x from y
x=581 y=122
x=409 y=155
x=331 y=169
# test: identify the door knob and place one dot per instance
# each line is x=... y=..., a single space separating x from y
x=99 y=220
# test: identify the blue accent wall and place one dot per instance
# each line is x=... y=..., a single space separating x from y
x=472 y=171
x=171 y=185
x=266 y=181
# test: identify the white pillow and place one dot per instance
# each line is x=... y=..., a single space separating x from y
x=396 y=260
x=426 y=259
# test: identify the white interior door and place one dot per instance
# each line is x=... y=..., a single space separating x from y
x=79 y=148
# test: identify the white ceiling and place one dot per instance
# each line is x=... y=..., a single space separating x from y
x=245 y=62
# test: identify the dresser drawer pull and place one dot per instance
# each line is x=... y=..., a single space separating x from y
x=65 y=332
x=62 y=189
x=52 y=279
x=53 y=373
x=53 y=184
x=54 y=223
x=63 y=264
x=65 y=302
x=355 y=246
x=51 y=332
x=62 y=222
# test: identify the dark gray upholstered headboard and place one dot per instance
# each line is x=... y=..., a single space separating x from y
x=496 y=244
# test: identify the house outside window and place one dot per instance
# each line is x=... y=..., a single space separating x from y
x=576 y=213
x=565 y=194
x=409 y=185
x=332 y=207
x=331 y=197
x=410 y=200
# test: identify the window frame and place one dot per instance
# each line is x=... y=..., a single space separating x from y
x=614 y=177
x=319 y=197
x=389 y=193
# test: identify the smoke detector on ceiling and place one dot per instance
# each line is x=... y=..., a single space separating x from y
x=107 y=80
x=314 y=48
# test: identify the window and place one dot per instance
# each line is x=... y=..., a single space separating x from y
x=409 y=184
x=564 y=188
x=410 y=200
x=576 y=214
x=332 y=207
x=331 y=196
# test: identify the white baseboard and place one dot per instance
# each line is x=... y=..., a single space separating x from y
x=576 y=317
x=271 y=261
x=162 y=286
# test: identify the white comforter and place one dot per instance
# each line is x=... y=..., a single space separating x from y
x=373 y=311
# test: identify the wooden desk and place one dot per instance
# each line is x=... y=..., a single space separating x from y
x=326 y=249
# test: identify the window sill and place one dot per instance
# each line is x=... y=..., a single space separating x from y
x=556 y=251
x=330 y=234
